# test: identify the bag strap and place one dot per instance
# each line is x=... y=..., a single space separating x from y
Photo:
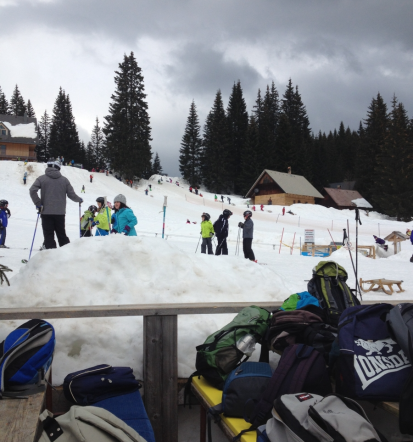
x=330 y=298
x=52 y=428
x=307 y=356
x=213 y=413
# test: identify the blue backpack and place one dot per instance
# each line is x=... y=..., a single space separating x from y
x=25 y=356
x=371 y=365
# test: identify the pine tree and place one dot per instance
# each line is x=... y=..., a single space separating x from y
x=127 y=127
x=237 y=117
x=249 y=158
x=4 y=104
x=98 y=145
x=156 y=167
x=393 y=191
x=43 y=135
x=30 y=110
x=17 y=105
x=191 y=149
x=90 y=158
x=215 y=148
x=64 y=138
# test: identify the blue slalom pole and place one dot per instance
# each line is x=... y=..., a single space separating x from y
x=35 y=229
x=164 y=214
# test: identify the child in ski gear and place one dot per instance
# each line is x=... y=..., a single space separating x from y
x=221 y=228
x=91 y=178
x=102 y=219
x=85 y=223
x=4 y=220
x=196 y=190
x=216 y=198
x=25 y=177
x=125 y=218
x=190 y=189
x=54 y=188
x=207 y=232
x=229 y=200
x=379 y=240
x=247 y=236
x=270 y=202
x=150 y=186
x=253 y=208
x=222 y=198
x=83 y=189
x=283 y=211
x=262 y=207
x=146 y=191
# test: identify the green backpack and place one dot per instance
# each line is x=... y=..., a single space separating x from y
x=328 y=285
x=223 y=350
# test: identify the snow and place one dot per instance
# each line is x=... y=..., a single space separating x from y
x=361 y=202
x=119 y=270
x=26 y=130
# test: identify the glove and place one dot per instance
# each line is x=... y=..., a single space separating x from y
x=113 y=231
x=126 y=230
x=39 y=208
x=95 y=223
x=90 y=219
x=241 y=225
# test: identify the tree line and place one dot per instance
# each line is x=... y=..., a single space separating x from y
x=121 y=144
x=234 y=147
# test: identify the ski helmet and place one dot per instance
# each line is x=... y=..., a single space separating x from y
x=54 y=164
x=248 y=213
x=101 y=200
x=92 y=208
x=227 y=213
x=3 y=203
x=207 y=216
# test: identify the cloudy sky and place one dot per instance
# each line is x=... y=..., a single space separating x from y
x=340 y=53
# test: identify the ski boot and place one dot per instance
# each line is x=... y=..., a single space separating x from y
x=4 y=247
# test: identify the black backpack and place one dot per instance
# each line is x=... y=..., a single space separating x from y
x=329 y=286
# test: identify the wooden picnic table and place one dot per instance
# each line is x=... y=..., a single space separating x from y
x=380 y=285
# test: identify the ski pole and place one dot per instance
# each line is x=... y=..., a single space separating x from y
x=198 y=243
x=35 y=229
x=345 y=237
x=80 y=216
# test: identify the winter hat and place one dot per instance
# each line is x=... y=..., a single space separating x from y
x=120 y=198
x=54 y=164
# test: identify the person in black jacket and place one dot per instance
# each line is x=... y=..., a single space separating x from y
x=221 y=228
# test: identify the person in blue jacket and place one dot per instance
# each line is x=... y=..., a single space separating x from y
x=125 y=220
x=4 y=219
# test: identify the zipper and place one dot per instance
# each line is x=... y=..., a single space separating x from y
x=85 y=373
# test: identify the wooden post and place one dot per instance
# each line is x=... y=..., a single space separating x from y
x=160 y=368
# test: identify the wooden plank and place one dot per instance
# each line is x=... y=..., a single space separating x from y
x=100 y=311
x=161 y=375
x=391 y=407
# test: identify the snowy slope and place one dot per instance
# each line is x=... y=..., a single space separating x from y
x=147 y=269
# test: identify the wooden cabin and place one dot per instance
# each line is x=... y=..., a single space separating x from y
x=18 y=138
x=343 y=199
x=283 y=189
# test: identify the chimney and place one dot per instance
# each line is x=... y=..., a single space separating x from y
x=25 y=117
x=289 y=170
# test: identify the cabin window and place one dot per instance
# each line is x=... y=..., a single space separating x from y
x=3 y=149
x=266 y=180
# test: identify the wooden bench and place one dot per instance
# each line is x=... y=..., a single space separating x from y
x=380 y=285
x=209 y=397
x=19 y=418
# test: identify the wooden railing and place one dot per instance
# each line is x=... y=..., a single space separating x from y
x=160 y=341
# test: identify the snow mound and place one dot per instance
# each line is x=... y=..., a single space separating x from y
x=121 y=270
x=404 y=255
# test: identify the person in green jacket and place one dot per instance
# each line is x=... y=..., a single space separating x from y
x=102 y=218
x=207 y=232
x=85 y=223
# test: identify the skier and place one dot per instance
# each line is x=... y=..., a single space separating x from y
x=190 y=189
x=125 y=218
x=253 y=208
x=63 y=160
x=380 y=242
x=25 y=177
x=4 y=220
x=85 y=223
x=207 y=232
x=91 y=177
x=247 y=236
x=150 y=186
x=262 y=207
x=216 y=198
x=52 y=204
x=270 y=202
x=83 y=189
x=222 y=198
x=221 y=228
x=229 y=200
x=283 y=211
x=196 y=190
x=146 y=191
x=102 y=218
x=411 y=240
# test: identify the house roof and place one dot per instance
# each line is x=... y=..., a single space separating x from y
x=289 y=183
x=347 y=198
x=20 y=129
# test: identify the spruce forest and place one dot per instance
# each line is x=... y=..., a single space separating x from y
x=234 y=145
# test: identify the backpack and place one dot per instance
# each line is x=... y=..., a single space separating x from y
x=300 y=368
x=306 y=417
x=94 y=384
x=328 y=285
x=91 y=424
x=299 y=327
x=371 y=365
x=224 y=349
x=248 y=381
x=25 y=356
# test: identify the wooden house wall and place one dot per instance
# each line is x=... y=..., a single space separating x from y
x=283 y=199
x=19 y=149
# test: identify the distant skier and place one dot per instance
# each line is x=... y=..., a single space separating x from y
x=83 y=189
x=188 y=222
x=125 y=218
x=146 y=191
x=283 y=211
x=262 y=207
x=52 y=204
x=253 y=208
x=229 y=200
x=270 y=202
x=85 y=223
x=150 y=186
x=102 y=218
x=207 y=232
x=4 y=220
x=25 y=177
x=380 y=242
x=196 y=190
x=411 y=240
x=190 y=189
x=91 y=178
x=222 y=198
x=221 y=228
x=247 y=236
x=216 y=198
